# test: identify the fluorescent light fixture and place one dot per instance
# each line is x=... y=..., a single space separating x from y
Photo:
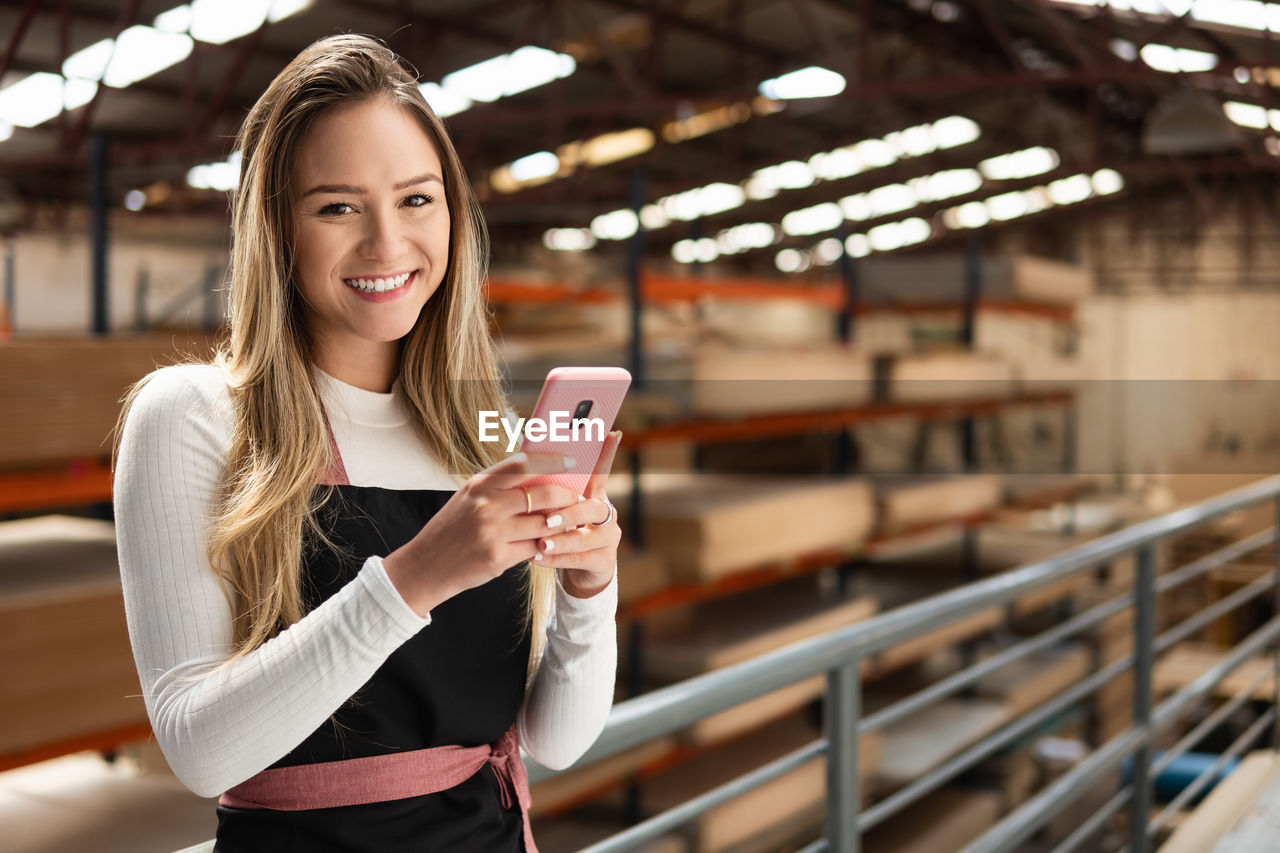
x=224 y=176
x=138 y=53
x=6 y=131
x=791 y=260
x=1162 y=57
x=705 y=249
x=32 y=100
x=568 y=239
x=1251 y=115
x=876 y=152
x=1107 y=181
x=220 y=21
x=1125 y=49
x=1245 y=14
x=1007 y=206
x=176 y=20
x=895 y=235
x=77 y=93
x=811 y=82
x=510 y=73
x=1020 y=164
x=445 y=102
x=828 y=251
x=706 y=122
x=543 y=164
x=89 y=63
x=654 y=217
x=684 y=252
x=282 y=9
x=615 y=225
x=857 y=245
x=813 y=220
x=954 y=131
x=834 y=165
x=612 y=147
x=749 y=235
x=702 y=201
x=143 y=51
x=892 y=198
x=946 y=184
x=135 y=200
x=914 y=141
x=1070 y=190
x=971 y=215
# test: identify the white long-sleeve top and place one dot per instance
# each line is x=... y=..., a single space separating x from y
x=219 y=731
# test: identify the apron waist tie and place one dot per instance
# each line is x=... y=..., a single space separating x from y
x=394 y=776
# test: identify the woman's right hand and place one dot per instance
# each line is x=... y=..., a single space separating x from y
x=487 y=527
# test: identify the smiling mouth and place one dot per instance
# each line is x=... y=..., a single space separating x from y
x=379 y=285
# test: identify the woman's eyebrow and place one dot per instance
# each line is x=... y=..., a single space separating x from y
x=351 y=189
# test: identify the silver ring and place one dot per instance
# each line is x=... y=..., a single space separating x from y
x=613 y=513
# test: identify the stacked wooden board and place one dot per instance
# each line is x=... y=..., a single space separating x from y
x=73 y=389
x=708 y=526
x=733 y=382
x=69 y=669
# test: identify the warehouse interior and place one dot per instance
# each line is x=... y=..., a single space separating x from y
x=915 y=294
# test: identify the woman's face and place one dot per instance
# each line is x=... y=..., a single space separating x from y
x=371 y=230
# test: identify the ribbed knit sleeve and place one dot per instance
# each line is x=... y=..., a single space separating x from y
x=218 y=731
x=569 y=700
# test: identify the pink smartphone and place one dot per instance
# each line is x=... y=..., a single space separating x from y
x=574 y=413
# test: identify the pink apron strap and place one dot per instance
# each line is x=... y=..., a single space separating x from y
x=337 y=473
x=394 y=776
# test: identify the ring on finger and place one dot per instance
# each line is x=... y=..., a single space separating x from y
x=613 y=513
x=528 y=500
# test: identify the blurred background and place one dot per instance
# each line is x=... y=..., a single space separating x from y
x=946 y=285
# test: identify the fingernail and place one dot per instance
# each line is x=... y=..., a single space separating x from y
x=537 y=557
x=581 y=499
x=554 y=520
x=569 y=462
x=548 y=545
x=518 y=456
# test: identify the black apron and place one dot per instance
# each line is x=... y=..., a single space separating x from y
x=458 y=681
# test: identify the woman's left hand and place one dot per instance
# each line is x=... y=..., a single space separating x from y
x=585 y=550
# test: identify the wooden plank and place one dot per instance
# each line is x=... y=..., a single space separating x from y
x=554 y=795
x=914 y=746
x=69 y=665
x=957 y=375
x=918 y=648
x=786 y=800
x=751 y=715
x=1229 y=801
x=1188 y=661
x=1026 y=684
x=741 y=381
x=729 y=631
x=906 y=502
x=72 y=388
x=942 y=822
x=708 y=526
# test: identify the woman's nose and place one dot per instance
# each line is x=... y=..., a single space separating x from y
x=383 y=239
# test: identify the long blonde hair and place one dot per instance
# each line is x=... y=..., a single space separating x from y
x=279 y=448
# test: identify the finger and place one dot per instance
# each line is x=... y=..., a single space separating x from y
x=518 y=467
x=596 y=484
x=577 y=540
x=543 y=499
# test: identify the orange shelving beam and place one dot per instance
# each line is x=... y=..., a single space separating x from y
x=79 y=482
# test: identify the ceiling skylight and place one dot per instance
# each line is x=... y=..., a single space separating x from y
x=1020 y=164
x=526 y=68
x=34 y=99
x=138 y=53
x=568 y=239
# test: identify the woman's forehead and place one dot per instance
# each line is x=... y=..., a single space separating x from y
x=373 y=143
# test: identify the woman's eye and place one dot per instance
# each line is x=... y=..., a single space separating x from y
x=336 y=209
x=418 y=200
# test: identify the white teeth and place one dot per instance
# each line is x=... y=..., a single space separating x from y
x=378 y=285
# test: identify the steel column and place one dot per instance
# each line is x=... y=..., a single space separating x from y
x=98 y=230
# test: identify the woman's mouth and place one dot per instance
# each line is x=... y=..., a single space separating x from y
x=382 y=289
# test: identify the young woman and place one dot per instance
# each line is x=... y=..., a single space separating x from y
x=345 y=610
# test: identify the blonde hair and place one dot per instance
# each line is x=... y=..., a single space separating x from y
x=279 y=446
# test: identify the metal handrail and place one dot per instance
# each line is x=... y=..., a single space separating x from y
x=839 y=653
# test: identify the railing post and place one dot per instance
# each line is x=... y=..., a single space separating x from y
x=844 y=708
x=1144 y=630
